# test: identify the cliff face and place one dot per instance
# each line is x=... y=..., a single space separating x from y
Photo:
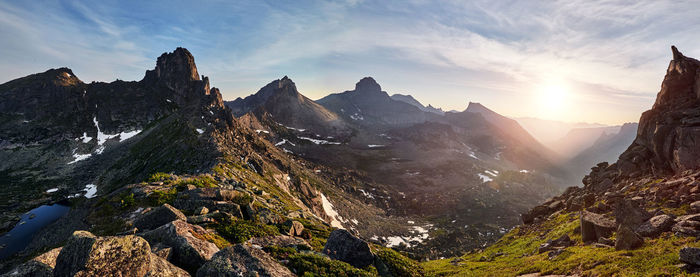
x=666 y=141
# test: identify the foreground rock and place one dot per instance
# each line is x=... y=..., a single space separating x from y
x=159 y=217
x=655 y=226
x=627 y=239
x=690 y=255
x=242 y=260
x=343 y=246
x=188 y=251
x=40 y=266
x=594 y=226
x=88 y=255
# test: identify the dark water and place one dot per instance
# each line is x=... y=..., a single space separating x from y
x=19 y=237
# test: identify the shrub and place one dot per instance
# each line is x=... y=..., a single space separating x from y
x=159 y=177
x=240 y=231
x=126 y=200
x=397 y=264
x=317 y=265
x=160 y=197
x=202 y=181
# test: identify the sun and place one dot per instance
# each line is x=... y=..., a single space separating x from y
x=552 y=98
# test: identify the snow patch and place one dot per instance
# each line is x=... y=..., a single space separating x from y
x=484 y=178
x=79 y=157
x=356 y=116
x=319 y=141
x=524 y=171
x=262 y=131
x=52 y=190
x=200 y=131
x=328 y=208
x=90 y=191
x=283 y=142
x=375 y=145
x=366 y=194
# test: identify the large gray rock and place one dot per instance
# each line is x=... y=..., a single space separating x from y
x=88 y=255
x=690 y=255
x=343 y=246
x=242 y=260
x=594 y=226
x=626 y=239
x=630 y=213
x=188 y=251
x=158 y=217
x=655 y=226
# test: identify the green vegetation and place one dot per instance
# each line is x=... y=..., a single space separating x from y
x=240 y=231
x=516 y=254
x=219 y=241
x=127 y=200
x=318 y=265
x=200 y=181
x=160 y=177
x=160 y=197
x=397 y=264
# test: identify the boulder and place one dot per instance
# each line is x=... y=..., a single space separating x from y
x=626 y=239
x=242 y=260
x=189 y=250
x=594 y=226
x=630 y=213
x=40 y=266
x=158 y=217
x=295 y=228
x=690 y=255
x=561 y=242
x=529 y=217
x=87 y=255
x=343 y=246
x=201 y=211
x=655 y=226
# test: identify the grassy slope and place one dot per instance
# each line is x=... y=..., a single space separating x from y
x=658 y=257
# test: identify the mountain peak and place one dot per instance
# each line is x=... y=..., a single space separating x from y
x=367 y=84
x=677 y=55
x=176 y=66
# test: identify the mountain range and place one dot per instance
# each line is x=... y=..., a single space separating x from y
x=161 y=177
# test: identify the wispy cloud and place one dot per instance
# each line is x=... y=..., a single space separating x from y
x=612 y=54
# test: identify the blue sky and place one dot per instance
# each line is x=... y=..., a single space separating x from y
x=601 y=61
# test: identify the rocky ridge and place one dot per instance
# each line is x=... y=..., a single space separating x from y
x=639 y=215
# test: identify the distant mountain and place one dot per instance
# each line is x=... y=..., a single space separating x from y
x=524 y=149
x=607 y=148
x=368 y=105
x=548 y=131
x=579 y=139
x=281 y=100
x=416 y=163
x=410 y=100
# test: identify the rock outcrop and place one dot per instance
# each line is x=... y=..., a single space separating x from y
x=343 y=246
x=188 y=251
x=243 y=260
x=88 y=255
x=667 y=134
x=158 y=217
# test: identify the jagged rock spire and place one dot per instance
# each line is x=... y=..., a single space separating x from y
x=367 y=84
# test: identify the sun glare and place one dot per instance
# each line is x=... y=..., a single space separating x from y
x=552 y=99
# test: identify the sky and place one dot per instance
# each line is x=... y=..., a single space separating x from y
x=575 y=61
